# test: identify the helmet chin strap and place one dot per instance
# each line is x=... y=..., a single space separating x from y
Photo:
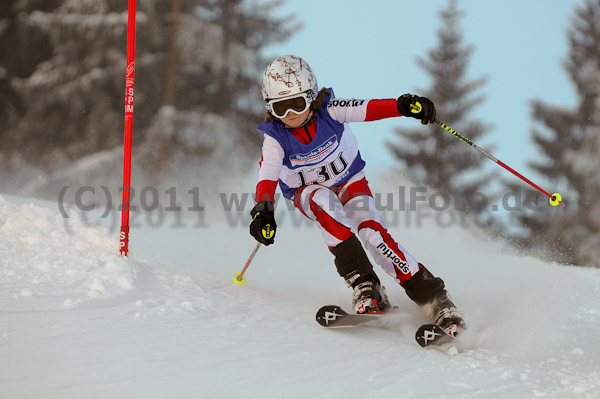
x=308 y=121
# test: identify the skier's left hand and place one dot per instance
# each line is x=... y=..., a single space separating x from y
x=263 y=226
x=417 y=107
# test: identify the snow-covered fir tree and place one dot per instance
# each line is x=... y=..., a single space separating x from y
x=569 y=139
x=433 y=156
x=62 y=63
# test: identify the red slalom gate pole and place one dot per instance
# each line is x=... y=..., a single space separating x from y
x=129 y=84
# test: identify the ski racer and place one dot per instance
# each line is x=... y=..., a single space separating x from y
x=310 y=151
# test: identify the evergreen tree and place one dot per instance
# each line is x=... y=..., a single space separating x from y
x=62 y=72
x=570 y=142
x=434 y=157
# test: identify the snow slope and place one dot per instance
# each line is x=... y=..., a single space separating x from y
x=77 y=321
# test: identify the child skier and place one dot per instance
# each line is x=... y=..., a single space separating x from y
x=309 y=149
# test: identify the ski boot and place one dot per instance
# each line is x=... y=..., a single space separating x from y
x=428 y=292
x=370 y=297
x=447 y=316
x=355 y=268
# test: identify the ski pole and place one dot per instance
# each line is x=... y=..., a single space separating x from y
x=555 y=199
x=239 y=277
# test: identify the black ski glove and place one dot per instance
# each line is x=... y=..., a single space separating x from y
x=422 y=108
x=263 y=226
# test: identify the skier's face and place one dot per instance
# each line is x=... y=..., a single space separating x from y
x=295 y=120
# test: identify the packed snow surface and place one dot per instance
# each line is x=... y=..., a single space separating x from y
x=78 y=321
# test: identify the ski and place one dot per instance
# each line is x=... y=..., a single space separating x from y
x=434 y=337
x=334 y=316
x=429 y=336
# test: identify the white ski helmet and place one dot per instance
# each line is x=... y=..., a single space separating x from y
x=288 y=76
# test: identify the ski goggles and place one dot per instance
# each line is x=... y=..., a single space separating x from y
x=297 y=104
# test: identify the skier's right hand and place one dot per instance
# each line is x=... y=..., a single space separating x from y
x=263 y=226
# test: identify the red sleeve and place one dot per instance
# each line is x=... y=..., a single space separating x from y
x=381 y=109
x=265 y=190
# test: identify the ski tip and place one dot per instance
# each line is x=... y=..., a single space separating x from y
x=431 y=334
x=329 y=314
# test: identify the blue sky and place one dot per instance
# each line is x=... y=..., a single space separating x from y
x=369 y=50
